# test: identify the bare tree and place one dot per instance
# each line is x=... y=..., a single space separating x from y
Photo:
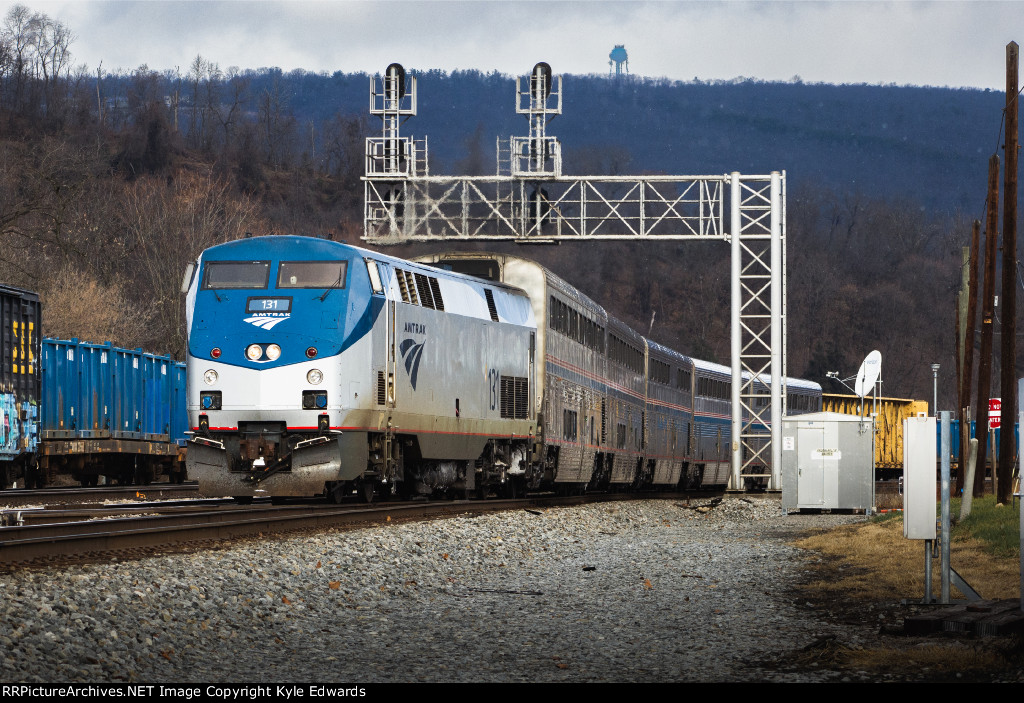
x=276 y=124
x=168 y=226
x=77 y=305
x=229 y=111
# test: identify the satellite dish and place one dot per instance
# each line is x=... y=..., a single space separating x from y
x=868 y=373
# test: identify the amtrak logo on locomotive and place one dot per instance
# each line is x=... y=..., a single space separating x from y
x=267 y=321
x=412 y=353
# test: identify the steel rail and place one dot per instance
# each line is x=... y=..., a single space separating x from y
x=76 y=539
x=23 y=496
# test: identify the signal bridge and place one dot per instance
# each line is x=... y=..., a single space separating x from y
x=530 y=200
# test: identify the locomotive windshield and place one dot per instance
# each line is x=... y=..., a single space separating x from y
x=312 y=274
x=236 y=274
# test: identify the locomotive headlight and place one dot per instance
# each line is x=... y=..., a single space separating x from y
x=253 y=352
x=273 y=351
x=314 y=376
x=210 y=377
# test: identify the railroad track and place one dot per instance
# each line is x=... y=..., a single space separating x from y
x=93 y=533
x=73 y=494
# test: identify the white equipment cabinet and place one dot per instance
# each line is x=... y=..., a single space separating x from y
x=828 y=462
x=919 y=480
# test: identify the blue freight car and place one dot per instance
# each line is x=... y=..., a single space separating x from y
x=954 y=430
x=107 y=411
x=20 y=312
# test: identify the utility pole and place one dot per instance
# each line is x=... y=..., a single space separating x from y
x=1008 y=388
x=987 y=314
x=967 y=342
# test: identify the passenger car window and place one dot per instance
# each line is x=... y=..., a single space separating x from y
x=236 y=274
x=312 y=274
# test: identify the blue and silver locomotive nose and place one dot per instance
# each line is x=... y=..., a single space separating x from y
x=268 y=318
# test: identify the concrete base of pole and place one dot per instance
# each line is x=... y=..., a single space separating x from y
x=968 y=495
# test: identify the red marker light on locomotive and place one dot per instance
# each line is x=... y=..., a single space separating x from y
x=311 y=352
x=215 y=352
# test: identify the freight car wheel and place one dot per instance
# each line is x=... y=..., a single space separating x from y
x=34 y=477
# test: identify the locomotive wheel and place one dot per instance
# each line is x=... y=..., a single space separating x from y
x=334 y=493
x=511 y=489
x=366 y=491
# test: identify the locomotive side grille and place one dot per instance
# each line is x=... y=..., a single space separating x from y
x=424 y=288
x=515 y=397
x=490 y=304
x=403 y=286
x=382 y=389
x=435 y=289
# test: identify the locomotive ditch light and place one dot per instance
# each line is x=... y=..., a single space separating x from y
x=254 y=352
x=210 y=377
x=314 y=377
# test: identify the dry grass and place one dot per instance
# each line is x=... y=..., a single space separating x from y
x=873 y=561
x=976 y=660
x=963 y=657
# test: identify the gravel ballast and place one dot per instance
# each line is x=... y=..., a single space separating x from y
x=650 y=590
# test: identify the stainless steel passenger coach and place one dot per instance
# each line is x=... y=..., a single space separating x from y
x=613 y=407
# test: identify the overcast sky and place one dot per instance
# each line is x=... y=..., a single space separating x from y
x=953 y=43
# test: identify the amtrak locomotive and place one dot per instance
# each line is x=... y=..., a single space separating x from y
x=315 y=367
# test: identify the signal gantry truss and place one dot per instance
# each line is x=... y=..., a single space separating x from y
x=529 y=200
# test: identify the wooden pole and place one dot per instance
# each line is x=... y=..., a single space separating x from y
x=967 y=380
x=987 y=314
x=1008 y=387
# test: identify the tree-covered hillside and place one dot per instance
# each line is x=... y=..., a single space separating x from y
x=110 y=183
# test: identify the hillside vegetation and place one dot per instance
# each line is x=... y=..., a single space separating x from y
x=111 y=183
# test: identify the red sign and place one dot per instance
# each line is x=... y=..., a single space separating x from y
x=995 y=413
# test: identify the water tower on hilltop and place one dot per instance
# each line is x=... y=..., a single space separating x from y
x=619 y=60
